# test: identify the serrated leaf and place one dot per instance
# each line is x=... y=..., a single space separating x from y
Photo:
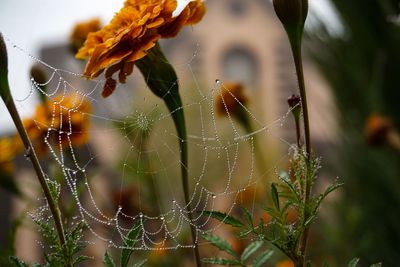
x=353 y=262
x=129 y=243
x=220 y=243
x=275 y=196
x=250 y=249
x=244 y=233
x=221 y=261
x=108 y=260
x=225 y=218
x=248 y=216
x=140 y=264
x=289 y=184
x=329 y=190
x=262 y=258
x=81 y=258
x=17 y=262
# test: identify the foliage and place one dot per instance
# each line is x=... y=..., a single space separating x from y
x=59 y=256
x=361 y=64
x=281 y=233
x=126 y=252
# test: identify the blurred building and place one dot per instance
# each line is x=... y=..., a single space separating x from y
x=243 y=41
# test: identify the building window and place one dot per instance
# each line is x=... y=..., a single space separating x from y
x=237 y=7
x=240 y=65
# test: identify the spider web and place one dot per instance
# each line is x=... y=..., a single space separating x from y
x=140 y=186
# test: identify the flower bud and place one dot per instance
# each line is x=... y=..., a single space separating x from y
x=38 y=74
x=292 y=14
x=294 y=104
x=4 y=87
x=377 y=129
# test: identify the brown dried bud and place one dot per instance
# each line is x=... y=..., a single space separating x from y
x=294 y=101
x=292 y=14
x=38 y=74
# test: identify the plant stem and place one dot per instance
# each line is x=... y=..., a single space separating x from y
x=30 y=152
x=297 y=56
x=298 y=133
x=174 y=105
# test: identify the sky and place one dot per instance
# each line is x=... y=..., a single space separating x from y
x=28 y=24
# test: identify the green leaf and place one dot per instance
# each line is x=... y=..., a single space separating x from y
x=353 y=262
x=244 y=233
x=275 y=196
x=250 y=249
x=295 y=192
x=247 y=215
x=221 y=261
x=225 y=218
x=140 y=263
x=81 y=258
x=262 y=258
x=108 y=260
x=18 y=263
x=129 y=243
x=321 y=197
x=220 y=243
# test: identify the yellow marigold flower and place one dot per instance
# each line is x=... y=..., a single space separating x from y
x=80 y=32
x=231 y=99
x=132 y=32
x=63 y=120
x=7 y=154
x=285 y=263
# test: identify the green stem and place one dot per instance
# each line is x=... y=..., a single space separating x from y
x=298 y=133
x=174 y=104
x=161 y=79
x=30 y=152
x=297 y=56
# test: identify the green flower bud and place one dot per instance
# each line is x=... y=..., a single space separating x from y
x=4 y=87
x=292 y=14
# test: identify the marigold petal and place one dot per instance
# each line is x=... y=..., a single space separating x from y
x=109 y=87
x=131 y=33
x=197 y=12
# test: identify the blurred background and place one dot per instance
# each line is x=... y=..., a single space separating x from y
x=352 y=64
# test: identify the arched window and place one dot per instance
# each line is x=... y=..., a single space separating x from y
x=240 y=65
x=237 y=7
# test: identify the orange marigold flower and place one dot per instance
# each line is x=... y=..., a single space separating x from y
x=7 y=154
x=231 y=99
x=62 y=121
x=285 y=263
x=377 y=128
x=131 y=33
x=80 y=32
